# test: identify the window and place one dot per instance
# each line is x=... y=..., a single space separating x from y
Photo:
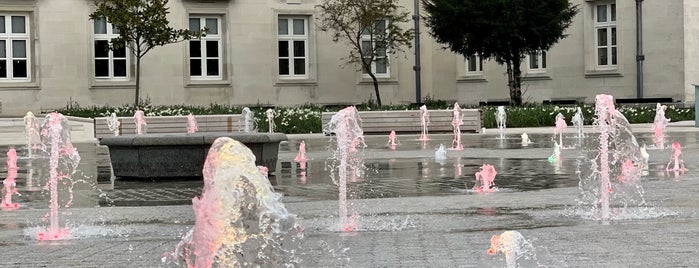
x=537 y=61
x=292 y=35
x=605 y=35
x=109 y=64
x=205 y=59
x=373 y=47
x=15 y=62
x=474 y=64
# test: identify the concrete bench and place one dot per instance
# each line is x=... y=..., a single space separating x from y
x=409 y=121
x=16 y=125
x=173 y=124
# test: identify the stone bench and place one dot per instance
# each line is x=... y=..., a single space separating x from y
x=173 y=124
x=409 y=121
x=181 y=154
x=16 y=125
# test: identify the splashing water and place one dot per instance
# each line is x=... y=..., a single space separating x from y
x=239 y=219
x=456 y=122
x=659 y=125
x=346 y=160
x=113 y=124
x=140 y=120
x=615 y=154
x=9 y=185
x=578 y=122
x=556 y=156
x=31 y=127
x=248 y=120
x=63 y=163
x=525 y=139
x=645 y=156
x=501 y=119
x=392 y=140
x=424 y=122
x=485 y=178
x=192 y=125
x=270 y=119
x=513 y=246
x=301 y=156
x=560 y=127
x=440 y=154
x=676 y=152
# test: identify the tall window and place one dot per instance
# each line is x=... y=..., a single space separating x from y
x=605 y=35
x=537 y=61
x=205 y=61
x=109 y=64
x=474 y=64
x=380 y=64
x=292 y=35
x=14 y=48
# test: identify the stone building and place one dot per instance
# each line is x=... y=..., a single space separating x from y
x=270 y=52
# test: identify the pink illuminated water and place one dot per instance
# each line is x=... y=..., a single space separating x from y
x=456 y=122
x=347 y=159
x=424 y=122
x=392 y=141
x=514 y=248
x=605 y=110
x=560 y=127
x=676 y=152
x=239 y=219
x=301 y=156
x=659 y=125
x=192 y=125
x=140 y=121
x=485 y=178
x=9 y=185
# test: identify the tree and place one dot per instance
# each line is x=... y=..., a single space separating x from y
x=504 y=30
x=142 y=26
x=370 y=27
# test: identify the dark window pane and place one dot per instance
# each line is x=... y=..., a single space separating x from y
x=472 y=63
x=602 y=56
x=282 y=27
x=299 y=66
x=3 y=53
x=119 y=68
x=283 y=66
x=543 y=60
x=283 y=48
x=120 y=53
x=19 y=68
x=212 y=49
x=101 y=48
x=299 y=28
x=2 y=25
x=18 y=24
x=381 y=66
x=614 y=36
x=195 y=67
x=602 y=37
x=195 y=48
x=194 y=24
x=366 y=49
x=101 y=68
x=533 y=63
x=212 y=67
x=3 y=69
x=613 y=10
x=299 y=48
x=380 y=27
x=601 y=13
x=614 y=56
x=19 y=48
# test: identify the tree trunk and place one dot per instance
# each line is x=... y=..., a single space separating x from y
x=514 y=81
x=138 y=80
x=376 y=88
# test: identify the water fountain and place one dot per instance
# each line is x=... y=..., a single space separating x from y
x=248 y=120
x=440 y=155
x=645 y=156
x=525 y=139
x=485 y=178
x=346 y=159
x=556 y=156
x=514 y=248
x=192 y=125
x=31 y=128
x=63 y=161
x=237 y=214
x=139 y=119
x=456 y=122
x=9 y=185
x=616 y=146
x=113 y=124
x=270 y=119
x=679 y=164
x=392 y=140
x=501 y=119
x=659 y=125
x=424 y=122
x=301 y=156
x=578 y=121
x=560 y=127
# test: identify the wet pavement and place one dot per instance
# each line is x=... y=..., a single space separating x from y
x=414 y=211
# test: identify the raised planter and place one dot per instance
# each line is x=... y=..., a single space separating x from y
x=179 y=154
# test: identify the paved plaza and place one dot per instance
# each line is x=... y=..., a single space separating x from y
x=414 y=211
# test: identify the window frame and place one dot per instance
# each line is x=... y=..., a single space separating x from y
x=8 y=36
x=291 y=38
x=612 y=40
x=540 y=59
x=108 y=36
x=478 y=67
x=386 y=55
x=219 y=38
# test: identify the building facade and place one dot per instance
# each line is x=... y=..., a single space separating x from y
x=270 y=52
